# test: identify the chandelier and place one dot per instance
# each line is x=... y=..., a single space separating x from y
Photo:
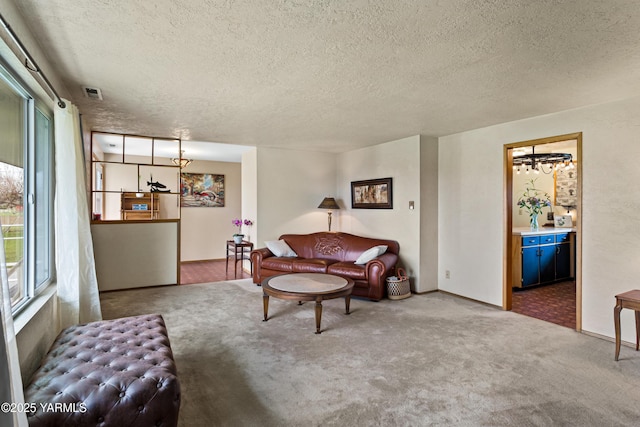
x=182 y=162
x=538 y=162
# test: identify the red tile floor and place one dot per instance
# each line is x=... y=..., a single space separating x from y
x=555 y=303
x=209 y=271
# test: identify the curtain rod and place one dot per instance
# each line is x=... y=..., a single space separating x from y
x=29 y=58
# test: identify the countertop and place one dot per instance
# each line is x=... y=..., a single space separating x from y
x=526 y=231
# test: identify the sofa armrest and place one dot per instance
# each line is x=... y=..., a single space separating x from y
x=385 y=263
x=257 y=255
x=379 y=268
x=377 y=271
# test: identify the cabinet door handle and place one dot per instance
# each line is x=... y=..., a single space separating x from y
x=558 y=249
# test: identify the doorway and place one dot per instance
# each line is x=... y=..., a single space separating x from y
x=551 y=290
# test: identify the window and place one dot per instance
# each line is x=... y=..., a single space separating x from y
x=26 y=190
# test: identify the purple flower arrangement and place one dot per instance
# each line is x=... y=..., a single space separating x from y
x=239 y=223
x=533 y=200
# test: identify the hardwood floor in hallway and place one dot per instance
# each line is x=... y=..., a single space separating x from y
x=209 y=271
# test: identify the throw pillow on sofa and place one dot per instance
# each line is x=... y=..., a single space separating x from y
x=280 y=248
x=370 y=254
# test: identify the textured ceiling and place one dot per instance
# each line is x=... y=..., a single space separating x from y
x=332 y=75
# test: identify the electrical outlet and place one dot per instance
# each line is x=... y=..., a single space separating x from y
x=447 y=274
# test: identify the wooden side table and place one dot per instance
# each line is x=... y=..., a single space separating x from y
x=630 y=300
x=239 y=252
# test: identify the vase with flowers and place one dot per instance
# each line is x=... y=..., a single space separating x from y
x=237 y=237
x=533 y=200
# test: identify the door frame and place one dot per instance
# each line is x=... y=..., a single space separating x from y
x=508 y=218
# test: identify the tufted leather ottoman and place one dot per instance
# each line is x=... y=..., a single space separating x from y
x=109 y=373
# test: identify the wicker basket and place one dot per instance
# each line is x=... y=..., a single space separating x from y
x=398 y=287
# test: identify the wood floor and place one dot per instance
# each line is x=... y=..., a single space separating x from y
x=209 y=271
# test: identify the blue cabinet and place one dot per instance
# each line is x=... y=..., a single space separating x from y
x=563 y=261
x=530 y=266
x=543 y=259
x=547 y=263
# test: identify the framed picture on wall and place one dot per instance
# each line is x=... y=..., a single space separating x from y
x=201 y=190
x=372 y=194
x=566 y=187
x=562 y=221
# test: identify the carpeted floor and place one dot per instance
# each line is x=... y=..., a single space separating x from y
x=431 y=359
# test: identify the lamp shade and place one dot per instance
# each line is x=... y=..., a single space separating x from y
x=329 y=203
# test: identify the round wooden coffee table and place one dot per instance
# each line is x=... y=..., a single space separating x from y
x=307 y=287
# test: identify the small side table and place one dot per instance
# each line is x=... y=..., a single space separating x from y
x=630 y=300
x=239 y=252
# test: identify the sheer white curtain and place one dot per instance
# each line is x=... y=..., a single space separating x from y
x=75 y=265
x=10 y=377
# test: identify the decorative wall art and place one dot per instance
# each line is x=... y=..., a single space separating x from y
x=201 y=190
x=372 y=194
x=566 y=187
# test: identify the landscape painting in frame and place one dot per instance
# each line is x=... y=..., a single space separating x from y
x=199 y=190
x=372 y=194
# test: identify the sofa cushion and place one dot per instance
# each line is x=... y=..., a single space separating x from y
x=371 y=254
x=348 y=269
x=278 y=264
x=311 y=265
x=368 y=255
x=280 y=248
x=382 y=249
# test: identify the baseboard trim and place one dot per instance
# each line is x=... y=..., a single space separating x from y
x=610 y=339
x=499 y=307
x=201 y=260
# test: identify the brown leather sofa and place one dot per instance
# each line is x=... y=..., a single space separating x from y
x=332 y=253
x=109 y=373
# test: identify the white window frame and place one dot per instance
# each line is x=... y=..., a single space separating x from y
x=31 y=103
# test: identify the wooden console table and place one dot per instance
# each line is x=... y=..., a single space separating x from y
x=239 y=252
x=630 y=300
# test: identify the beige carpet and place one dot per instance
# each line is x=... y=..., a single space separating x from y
x=431 y=359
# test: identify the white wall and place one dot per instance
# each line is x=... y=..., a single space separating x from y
x=471 y=203
x=290 y=186
x=249 y=173
x=428 y=206
x=399 y=160
x=135 y=255
x=204 y=231
x=36 y=337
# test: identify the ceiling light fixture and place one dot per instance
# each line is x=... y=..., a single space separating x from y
x=537 y=161
x=182 y=162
